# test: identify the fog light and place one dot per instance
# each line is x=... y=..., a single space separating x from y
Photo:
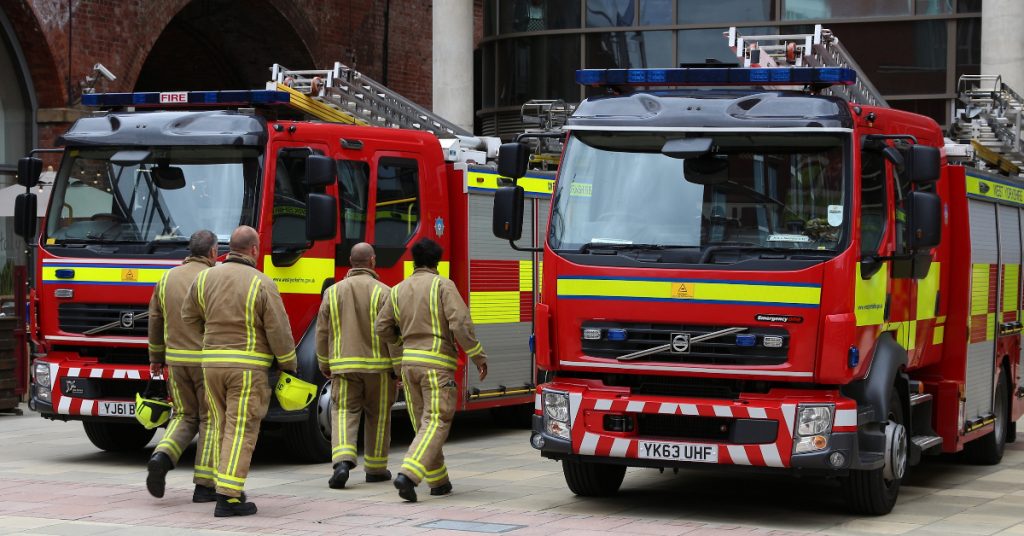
x=537 y=441
x=837 y=459
x=618 y=423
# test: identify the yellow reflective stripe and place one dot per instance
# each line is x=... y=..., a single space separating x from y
x=382 y=420
x=443 y=268
x=176 y=417
x=435 y=421
x=437 y=475
x=335 y=323
x=157 y=347
x=939 y=334
x=306 y=276
x=374 y=339
x=243 y=406
x=407 y=464
x=250 y=314
x=184 y=357
x=321 y=358
x=211 y=444
x=286 y=357
x=369 y=367
x=475 y=351
x=495 y=307
x=112 y=274
x=201 y=289
x=394 y=301
x=408 y=403
x=979 y=289
x=691 y=291
x=869 y=296
x=162 y=290
x=230 y=482
x=435 y=321
x=428 y=361
x=927 y=292
x=1011 y=280
x=214 y=352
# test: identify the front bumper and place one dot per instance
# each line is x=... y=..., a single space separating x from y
x=748 y=433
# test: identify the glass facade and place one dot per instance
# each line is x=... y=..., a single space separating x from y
x=913 y=50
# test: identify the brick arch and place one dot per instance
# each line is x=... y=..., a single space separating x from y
x=37 y=46
x=229 y=44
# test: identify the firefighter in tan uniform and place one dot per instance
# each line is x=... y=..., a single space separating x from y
x=246 y=330
x=428 y=316
x=176 y=350
x=361 y=368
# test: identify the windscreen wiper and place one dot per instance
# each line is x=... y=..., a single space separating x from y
x=740 y=246
x=590 y=246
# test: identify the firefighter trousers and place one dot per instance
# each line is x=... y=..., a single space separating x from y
x=238 y=400
x=370 y=394
x=430 y=398
x=190 y=417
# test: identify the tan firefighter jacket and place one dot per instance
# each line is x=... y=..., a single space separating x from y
x=345 y=338
x=169 y=340
x=241 y=314
x=430 y=317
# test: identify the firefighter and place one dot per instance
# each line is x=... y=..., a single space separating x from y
x=246 y=331
x=428 y=316
x=360 y=366
x=174 y=355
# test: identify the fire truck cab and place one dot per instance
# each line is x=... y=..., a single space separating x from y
x=762 y=278
x=135 y=183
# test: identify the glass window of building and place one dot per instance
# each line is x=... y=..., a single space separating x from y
x=933 y=7
x=14 y=112
x=698 y=46
x=695 y=12
x=622 y=50
x=537 y=68
x=610 y=13
x=655 y=12
x=912 y=60
x=835 y=9
x=968 y=47
x=537 y=15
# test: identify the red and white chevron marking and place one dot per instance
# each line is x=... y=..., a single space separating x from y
x=67 y=405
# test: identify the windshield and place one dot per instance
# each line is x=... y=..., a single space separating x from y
x=152 y=194
x=773 y=192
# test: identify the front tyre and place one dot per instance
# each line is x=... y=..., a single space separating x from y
x=874 y=492
x=310 y=439
x=116 y=436
x=588 y=479
x=988 y=450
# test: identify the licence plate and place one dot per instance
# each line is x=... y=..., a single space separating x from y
x=117 y=409
x=683 y=452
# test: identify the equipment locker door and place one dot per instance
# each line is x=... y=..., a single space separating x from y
x=500 y=300
x=983 y=303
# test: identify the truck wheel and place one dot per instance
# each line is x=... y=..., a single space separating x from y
x=310 y=439
x=116 y=436
x=593 y=479
x=988 y=449
x=874 y=492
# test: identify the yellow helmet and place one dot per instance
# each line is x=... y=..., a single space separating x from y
x=293 y=393
x=151 y=412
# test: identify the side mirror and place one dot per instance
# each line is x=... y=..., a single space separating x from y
x=320 y=170
x=25 y=215
x=512 y=160
x=508 y=213
x=923 y=164
x=168 y=177
x=321 y=217
x=924 y=222
x=29 y=169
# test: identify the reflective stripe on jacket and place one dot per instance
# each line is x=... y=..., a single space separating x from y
x=345 y=338
x=241 y=314
x=427 y=314
x=169 y=340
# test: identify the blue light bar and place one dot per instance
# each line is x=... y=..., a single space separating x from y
x=617 y=334
x=718 y=76
x=187 y=99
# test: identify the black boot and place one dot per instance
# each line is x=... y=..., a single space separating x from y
x=159 y=464
x=203 y=494
x=406 y=489
x=378 y=477
x=340 y=476
x=443 y=489
x=233 y=506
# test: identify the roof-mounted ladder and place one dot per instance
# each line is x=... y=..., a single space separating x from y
x=987 y=114
x=818 y=49
x=345 y=95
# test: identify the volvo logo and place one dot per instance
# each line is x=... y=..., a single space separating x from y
x=127 y=319
x=680 y=343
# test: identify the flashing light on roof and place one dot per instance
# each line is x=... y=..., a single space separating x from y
x=718 y=76
x=187 y=98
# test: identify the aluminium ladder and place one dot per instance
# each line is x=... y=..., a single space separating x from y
x=987 y=115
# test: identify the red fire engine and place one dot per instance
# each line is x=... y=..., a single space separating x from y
x=134 y=184
x=770 y=279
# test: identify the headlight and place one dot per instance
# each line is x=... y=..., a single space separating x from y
x=813 y=428
x=814 y=420
x=556 y=414
x=41 y=374
x=556 y=406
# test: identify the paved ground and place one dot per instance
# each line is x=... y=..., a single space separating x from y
x=53 y=481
